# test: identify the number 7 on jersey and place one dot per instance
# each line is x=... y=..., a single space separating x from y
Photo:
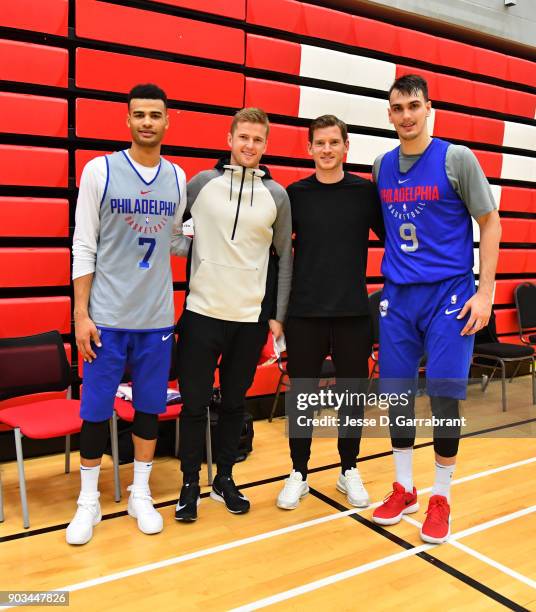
x=144 y=263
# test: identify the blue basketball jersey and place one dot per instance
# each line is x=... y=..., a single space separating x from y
x=429 y=235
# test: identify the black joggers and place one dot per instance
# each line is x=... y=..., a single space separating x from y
x=309 y=341
x=202 y=341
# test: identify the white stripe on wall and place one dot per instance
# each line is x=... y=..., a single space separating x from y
x=338 y=67
x=355 y=110
x=519 y=136
x=496 y=191
x=365 y=149
x=518 y=168
x=476 y=267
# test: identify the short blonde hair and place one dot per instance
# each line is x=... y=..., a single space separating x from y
x=251 y=115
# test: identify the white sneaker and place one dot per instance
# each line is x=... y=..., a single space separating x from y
x=88 y=514
x=295 y=488
x=350 y=483
x=140 y=507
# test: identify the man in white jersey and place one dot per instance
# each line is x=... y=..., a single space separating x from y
x=128 y=220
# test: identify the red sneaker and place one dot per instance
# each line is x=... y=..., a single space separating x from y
x=436 y=527
x=396 y=504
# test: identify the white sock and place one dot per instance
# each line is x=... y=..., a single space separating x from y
x=142 y=471
x=443 y=478
x=404 y=467
x=89 y=480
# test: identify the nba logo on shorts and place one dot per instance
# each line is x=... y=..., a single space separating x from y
x=384 y=305
x=453 y=299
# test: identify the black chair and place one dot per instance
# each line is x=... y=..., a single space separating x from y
x=491 y=354
x=327 y=373
x=525 y=297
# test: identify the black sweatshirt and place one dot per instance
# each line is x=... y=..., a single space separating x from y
x=331 y=223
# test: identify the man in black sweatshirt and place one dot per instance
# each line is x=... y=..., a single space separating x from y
x=332 y=212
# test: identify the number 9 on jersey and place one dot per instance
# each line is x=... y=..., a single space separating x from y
x=408 y=232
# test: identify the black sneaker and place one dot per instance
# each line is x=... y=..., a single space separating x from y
x=186 y=509
x=224 y=490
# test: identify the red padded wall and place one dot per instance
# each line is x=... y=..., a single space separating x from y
x=180 y=81
x=34 y=267
x=519 y=230
x=517 y=199
x=464 y=92
x=504 y=290
x=48 y=16
x=40 y=217
x=142 y=28
x=27 y=316
x=35 y=115
x=272 y=54
x=517 y=261
x=336 y=26
x=236 y=9
x=186 y=128
x=30 y=63
x=33 y=166
x=64 y=110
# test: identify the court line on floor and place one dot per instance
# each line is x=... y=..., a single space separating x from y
x=112 y=515
x=496 y=564
x=425 y=556
x=163 y=504
x=453 y=540
x=420 y=551
x=256 y=538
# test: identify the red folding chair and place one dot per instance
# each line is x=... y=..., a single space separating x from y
x=29 y=365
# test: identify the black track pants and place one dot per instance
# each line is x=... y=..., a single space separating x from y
x=309 y=341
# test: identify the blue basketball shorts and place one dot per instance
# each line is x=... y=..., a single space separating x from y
x=421 y=320
x=148 y=355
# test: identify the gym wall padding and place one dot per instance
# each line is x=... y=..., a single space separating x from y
x=70 y=64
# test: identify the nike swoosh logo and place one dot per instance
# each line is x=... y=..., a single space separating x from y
x=447 y=311
x=164 y=338
x=404 y=181
x=145 y=192
x=179 y=507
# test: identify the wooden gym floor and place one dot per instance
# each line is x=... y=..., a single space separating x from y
x=324 y=555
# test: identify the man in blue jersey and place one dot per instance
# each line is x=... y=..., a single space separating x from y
x=429 y=190
x=128 y=219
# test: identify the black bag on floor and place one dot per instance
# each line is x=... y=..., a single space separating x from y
x=165 y=444
x=246 y=438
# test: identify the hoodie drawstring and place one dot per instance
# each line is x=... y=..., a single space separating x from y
x=231 y=192
x=252 y=186
x=238 y=203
